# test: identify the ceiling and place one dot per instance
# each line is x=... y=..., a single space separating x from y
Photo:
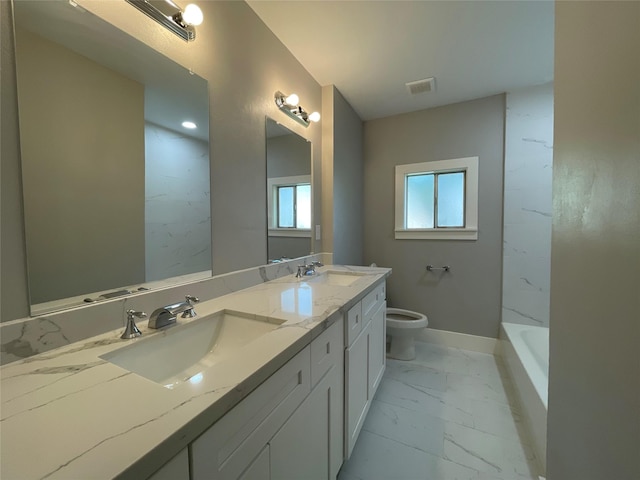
x=370 y=49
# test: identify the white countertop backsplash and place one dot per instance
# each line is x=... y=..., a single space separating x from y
x=25 y=337
x=68 y=414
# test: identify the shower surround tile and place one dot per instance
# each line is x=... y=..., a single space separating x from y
x=527 y=206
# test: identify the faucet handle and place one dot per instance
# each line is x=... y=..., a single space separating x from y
x=131 y=330
x=132 y=313
x=190 y=312
x=191 y=299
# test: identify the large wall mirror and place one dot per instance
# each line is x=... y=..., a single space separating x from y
x=289 y=193
x=116 y=189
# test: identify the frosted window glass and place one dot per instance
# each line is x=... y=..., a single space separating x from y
x=303 y=206
x=451 y=199
x=285 y=207
x=420 y=201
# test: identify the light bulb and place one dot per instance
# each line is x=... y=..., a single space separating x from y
x=192 y=14
x=292 y=100
x=314 y=117
x=187 y=124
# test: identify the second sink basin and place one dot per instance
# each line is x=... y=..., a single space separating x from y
x=181 y=352
x=337 y=277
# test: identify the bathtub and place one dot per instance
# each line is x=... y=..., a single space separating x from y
x=525 y=350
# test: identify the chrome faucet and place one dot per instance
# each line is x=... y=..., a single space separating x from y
x=131 y=330
x=167 y=315
x=310 y=269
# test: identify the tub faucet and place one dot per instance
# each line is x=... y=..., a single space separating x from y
x=168 y=314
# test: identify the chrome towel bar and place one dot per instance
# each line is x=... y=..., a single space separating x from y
x=431 y=268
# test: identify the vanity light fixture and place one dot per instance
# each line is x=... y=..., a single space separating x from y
x=189 y=125
x=289 y=105
x=168 y=14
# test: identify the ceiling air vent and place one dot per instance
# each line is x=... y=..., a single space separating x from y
x=421 y=86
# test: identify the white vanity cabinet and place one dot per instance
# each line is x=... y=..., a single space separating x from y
x=365 y=360
x=290 y=427
x=309 y=445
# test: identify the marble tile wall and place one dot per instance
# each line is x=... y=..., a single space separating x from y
x=527 y=206
x=29 y=336
x=177 y=204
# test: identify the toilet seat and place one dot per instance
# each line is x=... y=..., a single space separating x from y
x=400 y=318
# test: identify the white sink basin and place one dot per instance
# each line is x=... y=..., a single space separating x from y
x=180 y=353
x=337 y=277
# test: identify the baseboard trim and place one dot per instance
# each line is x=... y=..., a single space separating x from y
x=464 y=341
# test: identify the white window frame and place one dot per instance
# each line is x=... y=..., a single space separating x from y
x=469 y=165
x=272 y=185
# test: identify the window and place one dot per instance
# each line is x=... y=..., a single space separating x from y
x=437 y=200
x=290 y=206
x=294 y=203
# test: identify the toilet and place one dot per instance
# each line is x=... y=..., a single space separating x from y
x=402 y=326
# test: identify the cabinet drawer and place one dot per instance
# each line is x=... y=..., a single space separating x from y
x=353 y=326
x=225 y=449
x=326 y=351
x=372 y=301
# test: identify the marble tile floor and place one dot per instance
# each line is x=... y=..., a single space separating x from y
x=450 y=414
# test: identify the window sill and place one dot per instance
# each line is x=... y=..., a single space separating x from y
x=440 y=234
x=290 y=232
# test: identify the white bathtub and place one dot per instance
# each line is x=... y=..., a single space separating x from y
x=525 y=350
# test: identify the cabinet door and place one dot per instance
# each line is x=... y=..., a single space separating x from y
x=377 y=348
x=300 y=449
x=356 y=387
x=259 y=468
x=310 y=444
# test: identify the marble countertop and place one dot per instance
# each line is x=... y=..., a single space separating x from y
x=69 y=414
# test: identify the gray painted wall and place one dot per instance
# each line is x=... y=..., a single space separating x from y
x=244 y=64
x=594 y=377
x=348 y=183
x=342 y=179
x=528 y=161
x=468 y=298
x=14 y=299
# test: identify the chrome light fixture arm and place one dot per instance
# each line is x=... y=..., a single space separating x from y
x=169 y=15
x=289 y=105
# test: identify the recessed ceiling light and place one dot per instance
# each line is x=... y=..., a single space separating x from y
x=187 y=124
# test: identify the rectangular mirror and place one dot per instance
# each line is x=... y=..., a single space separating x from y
x=289 y=193
x=116 y=189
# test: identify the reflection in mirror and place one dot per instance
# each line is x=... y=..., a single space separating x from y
x=288 y=193
x=116 y=190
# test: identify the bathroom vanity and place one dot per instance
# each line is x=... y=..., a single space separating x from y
x=288 y=402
